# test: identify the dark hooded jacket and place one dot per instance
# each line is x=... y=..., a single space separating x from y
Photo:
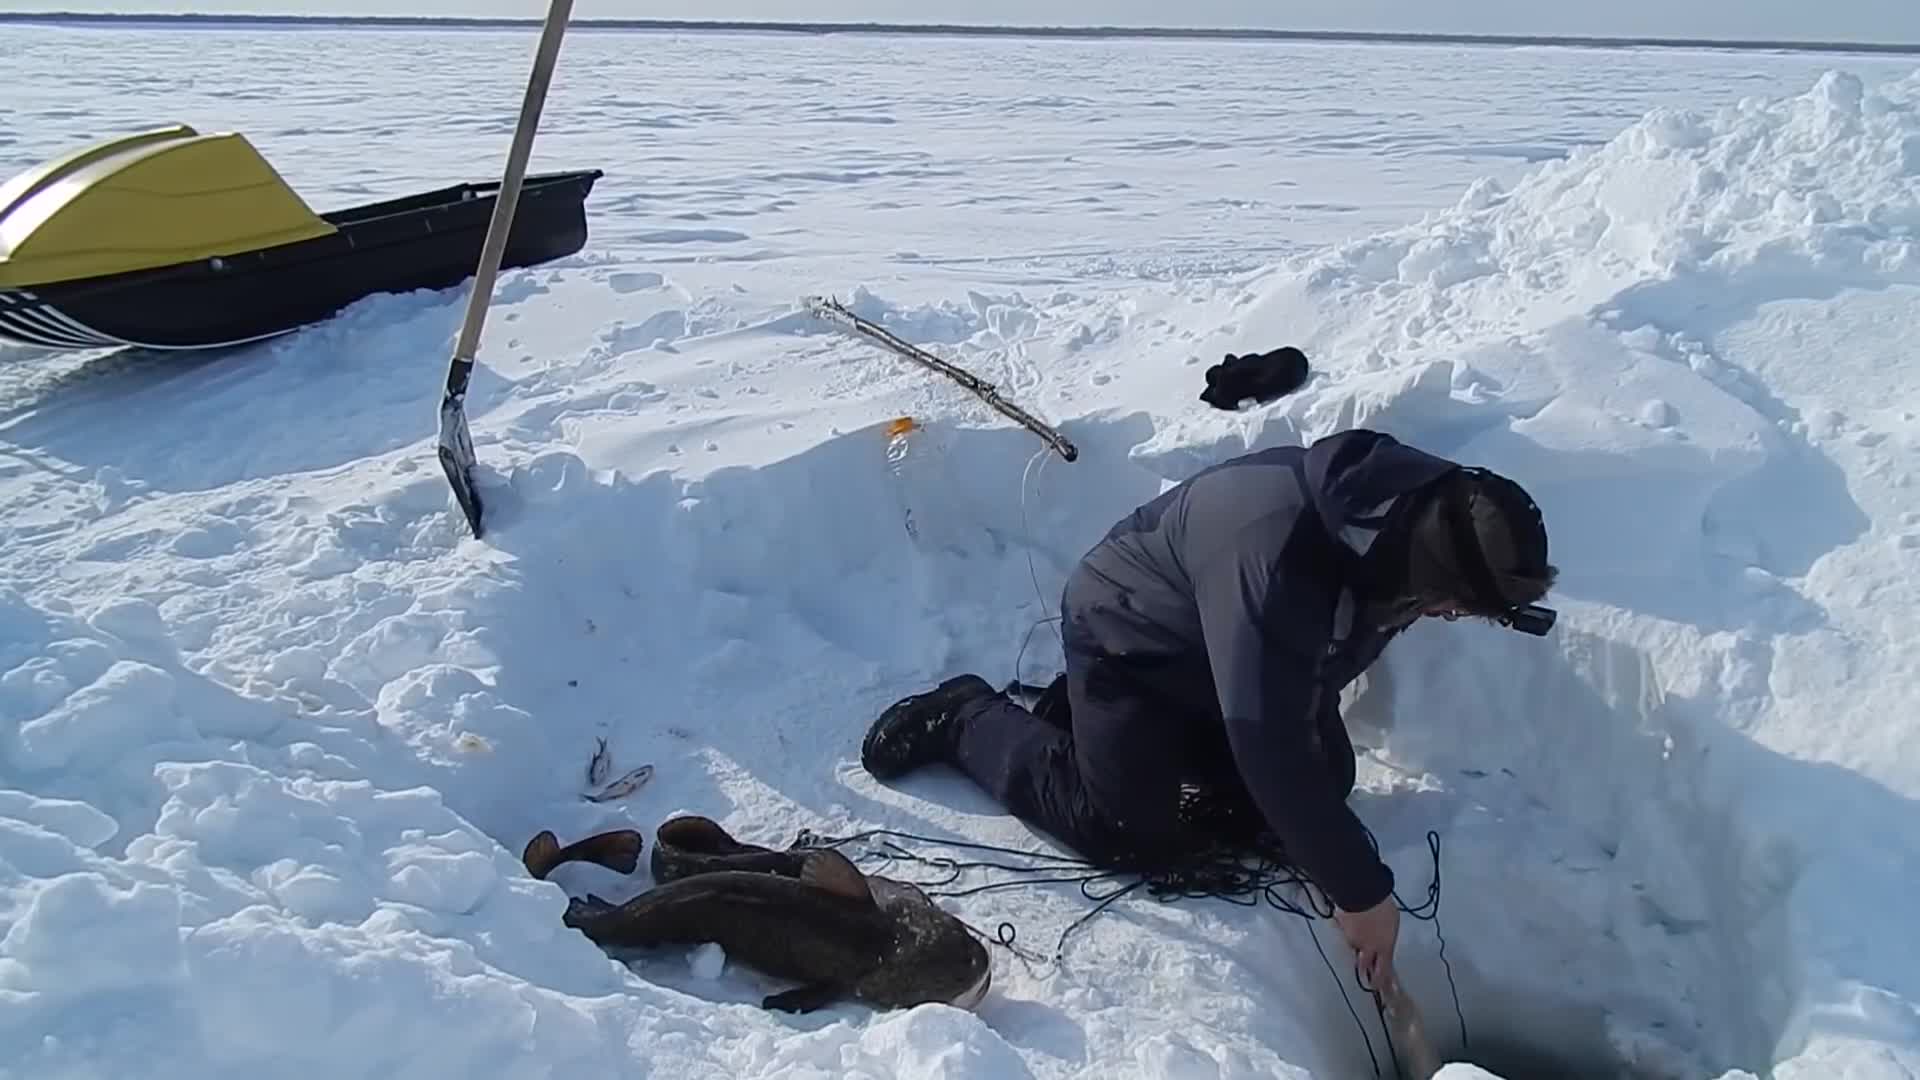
x=1239 y=594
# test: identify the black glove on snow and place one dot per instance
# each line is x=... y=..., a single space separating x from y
x=1260 y=376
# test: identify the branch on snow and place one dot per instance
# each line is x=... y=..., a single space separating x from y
x=834 y=311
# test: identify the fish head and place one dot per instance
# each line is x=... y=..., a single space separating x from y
x=970 y=998
x=938 y=958
x=955 y=966
x=583 y=911
x=1408 y=1029
x=930 y=957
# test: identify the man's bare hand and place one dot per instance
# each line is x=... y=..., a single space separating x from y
x=1372 y=933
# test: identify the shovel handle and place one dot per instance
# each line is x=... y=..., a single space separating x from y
x=501 y=224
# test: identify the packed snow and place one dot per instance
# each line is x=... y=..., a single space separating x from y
x=276 y=728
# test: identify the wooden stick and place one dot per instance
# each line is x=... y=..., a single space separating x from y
x=838 y=312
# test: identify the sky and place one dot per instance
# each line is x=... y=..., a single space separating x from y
x=1834 y=20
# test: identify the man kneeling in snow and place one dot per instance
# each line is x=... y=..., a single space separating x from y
x=1207 y=639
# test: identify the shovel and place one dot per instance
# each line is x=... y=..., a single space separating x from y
x=456 y=442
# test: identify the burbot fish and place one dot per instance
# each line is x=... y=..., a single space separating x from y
x=810 y=917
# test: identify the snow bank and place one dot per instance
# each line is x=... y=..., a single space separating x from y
x=182 y=891
x=272 y=730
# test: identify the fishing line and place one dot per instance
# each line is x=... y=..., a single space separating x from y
x=1027 y=476
x=1355 y=1013
x=1020 y=658
x=1026 y=528
x=1242 y=876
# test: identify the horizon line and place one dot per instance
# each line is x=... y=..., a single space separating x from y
x=963 y=30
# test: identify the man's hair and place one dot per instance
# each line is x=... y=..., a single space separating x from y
x=1479 y=544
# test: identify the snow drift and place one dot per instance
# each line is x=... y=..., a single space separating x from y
x=275 y=730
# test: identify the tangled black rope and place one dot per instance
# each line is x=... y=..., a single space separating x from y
x=1244 y=876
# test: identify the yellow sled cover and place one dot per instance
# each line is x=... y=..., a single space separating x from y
x=155 y=198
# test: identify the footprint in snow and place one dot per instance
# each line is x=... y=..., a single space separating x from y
x=645 y=394
x=632 y=281
x=658 y=328
x=208 y=541
x=518 y=289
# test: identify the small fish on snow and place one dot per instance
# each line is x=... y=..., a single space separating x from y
x=601 y=762
x=626 y=785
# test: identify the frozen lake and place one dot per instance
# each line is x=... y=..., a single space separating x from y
x=787 y=161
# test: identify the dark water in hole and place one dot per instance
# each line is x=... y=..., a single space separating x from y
x=1515 y=1060
x=1534 y=1035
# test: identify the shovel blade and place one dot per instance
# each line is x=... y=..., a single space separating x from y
x=457 y=459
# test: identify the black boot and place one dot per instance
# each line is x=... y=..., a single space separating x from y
x=919 y=730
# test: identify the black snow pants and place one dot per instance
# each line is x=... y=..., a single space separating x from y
x=1106 y=778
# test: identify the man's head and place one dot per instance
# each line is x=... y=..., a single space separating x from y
x=1473 y=544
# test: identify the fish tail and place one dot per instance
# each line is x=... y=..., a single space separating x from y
x=542 y=854
x=618 y=850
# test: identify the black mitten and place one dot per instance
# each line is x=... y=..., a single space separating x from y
x=1260 y=376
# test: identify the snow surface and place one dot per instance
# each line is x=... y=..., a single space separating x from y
x=275 y=728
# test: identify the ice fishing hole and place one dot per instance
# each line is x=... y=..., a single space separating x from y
x=1536 y=1039
x=1518 y=1061
x=1603 y=917
x=1517 y=1034
x=1523 y=1034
